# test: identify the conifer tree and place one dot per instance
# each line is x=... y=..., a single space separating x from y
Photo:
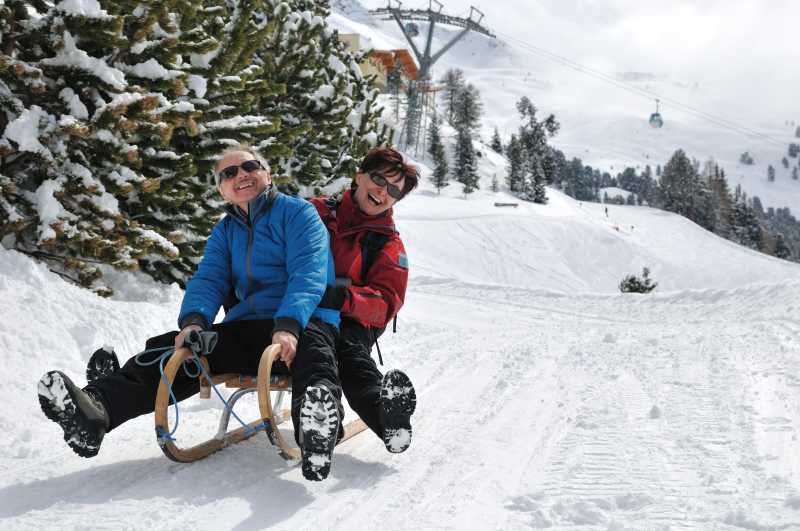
x=797 y=132
x=454 y=83
x=785 y=162
x=770 y=173
x=466 y=166
x=794 y=173
x=328 y=110
x=533 y=136
x=794 y=150
x=516 y=165
x=497 y=143
x=94 y=98
x=113 y=116
x=436 y=150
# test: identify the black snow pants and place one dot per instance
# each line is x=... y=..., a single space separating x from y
x=131 y=391
x=361 y=379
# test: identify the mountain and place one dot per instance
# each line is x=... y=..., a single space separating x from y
x=603 y=111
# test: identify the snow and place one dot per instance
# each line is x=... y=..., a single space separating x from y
x=150 y=69
x=83 y=8
x=24 y=130
x=197 y=84
x=74 y=103
x=73 y=57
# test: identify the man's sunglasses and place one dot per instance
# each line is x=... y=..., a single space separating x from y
x=232 y=171
x=380 y=180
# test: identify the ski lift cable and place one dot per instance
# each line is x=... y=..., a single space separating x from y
x=722 y=122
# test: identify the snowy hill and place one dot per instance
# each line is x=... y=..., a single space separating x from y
x=603 y=123
x=546 y=398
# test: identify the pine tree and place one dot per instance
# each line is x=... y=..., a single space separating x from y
x=497 y=143
x=516 y=165
x=468 y=109
x=785 y=162
x=781 y=249
x=95 y=98
x=770 y=173
x=746 y=158
x=535 y=184
x=495 y=186
x=328 y=108
x=794 y=150
x=454 y=83
x=794 y=173
x=115 y=116
x=466 y=167
x=797 y=132
x=436 y=150
x=533 y=136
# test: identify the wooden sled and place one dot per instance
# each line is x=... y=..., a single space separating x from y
x=271 y=413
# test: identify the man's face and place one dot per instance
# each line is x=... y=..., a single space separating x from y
x=373 y=198
x=244 y=186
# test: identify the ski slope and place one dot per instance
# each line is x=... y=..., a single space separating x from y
x=545 y=397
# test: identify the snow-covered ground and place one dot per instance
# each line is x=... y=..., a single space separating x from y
x=546 y=398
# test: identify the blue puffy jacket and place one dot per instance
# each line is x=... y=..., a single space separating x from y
x=277 y=258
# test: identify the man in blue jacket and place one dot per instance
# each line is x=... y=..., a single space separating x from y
x=273 y=251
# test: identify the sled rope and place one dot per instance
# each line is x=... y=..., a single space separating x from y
x=161 y=359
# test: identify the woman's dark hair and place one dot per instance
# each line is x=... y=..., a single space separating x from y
x=391 y=163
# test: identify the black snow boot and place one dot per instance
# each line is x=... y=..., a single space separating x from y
x=103 y=362
x=319 y=430
x=398 y=402
x=82 y=416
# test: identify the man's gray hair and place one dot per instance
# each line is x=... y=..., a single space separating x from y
x=235 y=149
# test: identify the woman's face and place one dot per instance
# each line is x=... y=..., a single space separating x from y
x=244 y=186
x=373 y=199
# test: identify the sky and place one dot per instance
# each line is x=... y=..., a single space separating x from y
x=738 y=53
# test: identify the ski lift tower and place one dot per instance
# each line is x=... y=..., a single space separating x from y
x=427 y=58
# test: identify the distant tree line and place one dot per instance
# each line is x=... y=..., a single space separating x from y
x=699 y=194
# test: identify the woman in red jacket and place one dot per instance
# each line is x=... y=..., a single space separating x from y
x=372 y=274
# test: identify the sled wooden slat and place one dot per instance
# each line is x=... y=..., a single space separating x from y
x=270 y=419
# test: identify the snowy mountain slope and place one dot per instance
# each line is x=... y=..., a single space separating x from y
x=603 y=124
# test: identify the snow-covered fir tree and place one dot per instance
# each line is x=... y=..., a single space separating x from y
x=794 y=150
x=496 y=143
x=93 y=99
x=794 y=173
x=328 y=109
x=454 y=83
x=466 y=164
x=533 y=136
x=770 y=173
x=515 y=176
x=436 y=150
x=113 y=115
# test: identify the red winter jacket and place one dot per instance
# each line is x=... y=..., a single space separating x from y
x=376 y=299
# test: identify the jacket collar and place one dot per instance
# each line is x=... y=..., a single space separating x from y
x=349 y=215
x=255 y=208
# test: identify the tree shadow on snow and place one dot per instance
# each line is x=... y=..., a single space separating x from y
x=247 y=471
x=251 y=475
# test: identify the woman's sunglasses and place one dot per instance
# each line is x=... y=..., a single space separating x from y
x=232 y=171
x=380 y=180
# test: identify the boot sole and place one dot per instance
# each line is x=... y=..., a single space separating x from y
x=59 y=406
x=398 y=402
x=102 y=363
x=319 y=429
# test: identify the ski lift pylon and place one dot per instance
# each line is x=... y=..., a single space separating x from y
x=656 y=121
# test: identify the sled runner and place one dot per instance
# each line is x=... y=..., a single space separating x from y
x=265 y=384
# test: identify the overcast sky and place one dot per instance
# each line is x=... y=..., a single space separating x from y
x=745 y=52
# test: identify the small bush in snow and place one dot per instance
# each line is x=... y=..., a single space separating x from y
x=634 y=284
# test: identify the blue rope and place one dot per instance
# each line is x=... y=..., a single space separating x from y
x=167 y=352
